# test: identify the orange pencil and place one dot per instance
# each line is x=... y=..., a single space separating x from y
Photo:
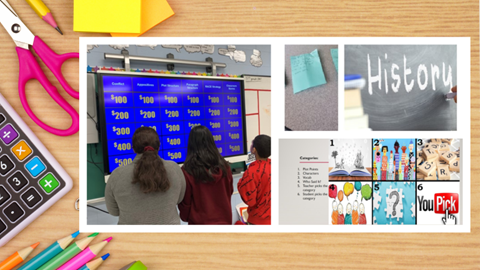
x=17 y=257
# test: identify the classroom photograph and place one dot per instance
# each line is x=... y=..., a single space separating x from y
x=311 y=87
x=178 y=134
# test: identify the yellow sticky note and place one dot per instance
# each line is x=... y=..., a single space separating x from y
x=107 y=16
x=153 y=13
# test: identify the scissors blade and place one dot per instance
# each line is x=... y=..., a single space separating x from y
x=20 y=34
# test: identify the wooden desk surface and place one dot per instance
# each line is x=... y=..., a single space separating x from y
x=350 y=178
x=256 y=18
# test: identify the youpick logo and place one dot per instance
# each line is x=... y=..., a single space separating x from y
x=440 y=203
x=444 y=201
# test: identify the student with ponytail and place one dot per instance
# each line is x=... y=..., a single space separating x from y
x=209 y=182
x=148 y=190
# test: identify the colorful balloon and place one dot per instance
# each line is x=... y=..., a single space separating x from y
x=332 y=191
x=358 y=186
x=366 y=192
x=340 y=195
x=348 y=189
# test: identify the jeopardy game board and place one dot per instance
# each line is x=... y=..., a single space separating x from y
x=171 y=106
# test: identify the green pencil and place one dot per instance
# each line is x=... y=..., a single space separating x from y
x=68 y=253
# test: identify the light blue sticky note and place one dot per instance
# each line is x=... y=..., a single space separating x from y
x=334 y=53
x=307 y=71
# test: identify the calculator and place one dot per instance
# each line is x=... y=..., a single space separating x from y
x=31 y=179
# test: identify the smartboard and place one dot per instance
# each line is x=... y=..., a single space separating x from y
x=172 y=105
x=405 y=85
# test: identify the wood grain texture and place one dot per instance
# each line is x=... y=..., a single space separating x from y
x=350 y=178
x=431 y=18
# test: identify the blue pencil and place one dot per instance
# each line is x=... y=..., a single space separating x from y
x=94 y=264
x=49 y=252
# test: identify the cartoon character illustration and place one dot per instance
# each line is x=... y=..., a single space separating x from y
x=359 y=160
x=378 y=156
x=397 y=159
x=384 y=163
x=341 y=217
x=375 y=177
x=406 y=170
x=391 y=168
x=348 y=216
x=404 y=163
x=377 y=161
x=411 y=172
x=334 y=213
x=362 y=219
x=410 y=149
x=400 y=172
x=355 y=213
x=410 y=146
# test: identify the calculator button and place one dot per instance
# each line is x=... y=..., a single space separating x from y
x=31 y=197
x=4 y=196
x=3 y=227
x=8 y=134
x=2 y=118
x=48 y=183
x=17 y=181
x=13 y=212
x=21 y=150
x=35 y=166
x=6 y=165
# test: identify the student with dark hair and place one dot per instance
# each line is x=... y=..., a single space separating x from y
x=255 y=185
x=147 y=190
x=209 y=181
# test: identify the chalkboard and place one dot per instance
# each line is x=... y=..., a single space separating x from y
x=412 y=107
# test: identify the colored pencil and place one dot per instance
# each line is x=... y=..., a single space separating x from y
x=85 y=256
x=43 y=12
x=68 y=253
x=17 y=257
x=49 y=252
x=92 y=265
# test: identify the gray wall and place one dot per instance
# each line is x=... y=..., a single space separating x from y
x=95 y=58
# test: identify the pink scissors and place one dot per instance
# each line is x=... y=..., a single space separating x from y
x=29 y=68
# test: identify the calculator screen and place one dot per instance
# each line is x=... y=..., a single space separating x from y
x=172 y=106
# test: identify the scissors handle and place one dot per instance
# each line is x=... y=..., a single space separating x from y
x=29 y=69
x=54 y=62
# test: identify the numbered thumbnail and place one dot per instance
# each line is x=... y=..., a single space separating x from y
x=394 y=203
x=438 y=159
x=350 y=203
x=394 y=159
x=349 y=159
x=434 y=199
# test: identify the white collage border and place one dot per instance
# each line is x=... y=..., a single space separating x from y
x=278 y=109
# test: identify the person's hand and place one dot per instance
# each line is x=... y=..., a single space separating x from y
x=454 y=90
x=449 y=219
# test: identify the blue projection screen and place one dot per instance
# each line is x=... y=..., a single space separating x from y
x=172 y=106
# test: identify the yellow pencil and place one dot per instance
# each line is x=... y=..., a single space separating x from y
x=43 y=12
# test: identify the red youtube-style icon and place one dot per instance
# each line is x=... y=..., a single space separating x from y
x=444 y=201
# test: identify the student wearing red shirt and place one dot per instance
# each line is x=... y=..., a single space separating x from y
x=254 y=187
x=209 y=182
